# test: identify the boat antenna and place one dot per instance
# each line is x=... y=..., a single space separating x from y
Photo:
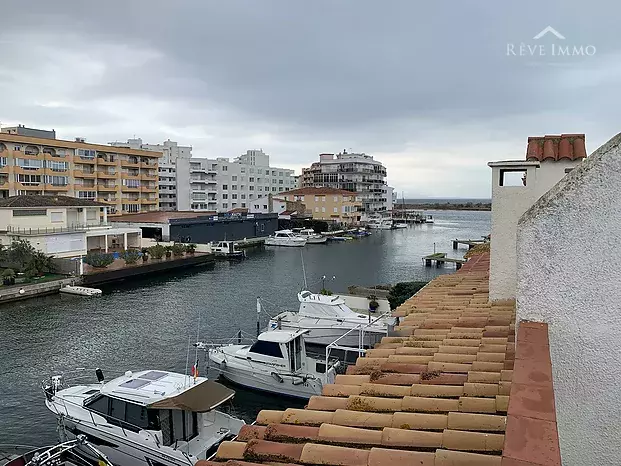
x=187 y=360
x=303 y=270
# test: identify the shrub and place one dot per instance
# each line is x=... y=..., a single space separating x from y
x=178 y=250
x=98 y=260
x=157 y=251
x=130 y=256
x=325 y=292
x=403 y=291
x=168 y=250
x=145 y=254
x=190 y=248
x=8 y=277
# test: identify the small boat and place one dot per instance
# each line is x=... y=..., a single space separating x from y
x=285 y=238
x=276 y=362
x=401 y=225
x=338 y=238
x=312 y=237
x=383 y=224
x=429 y=219
x=81 y=290
x=327 y=318
x=63 y=454
x=150 y=417
x=227 y=250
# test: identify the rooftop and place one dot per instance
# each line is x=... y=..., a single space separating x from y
x=159 y=216
x=47 y=201
x=317 y=191
x=556 y=147
x=449 y=390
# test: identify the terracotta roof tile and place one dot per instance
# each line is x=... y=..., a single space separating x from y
x=441 y=394
x=556 y=147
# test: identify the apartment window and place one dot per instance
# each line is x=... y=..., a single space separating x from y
x=225 y=196
x=30 y=213
x=28 y=164
x=259 y=171
x=260 y=188
x=234 y=204
x=273 y=172
x=243 y=204
x=251 y=188
x=280 y=181
x=243 y=170
x=131 y=208
x=264 y=206
x=336 y=198
x=28 y=180
x=316 y=198
x=274 y=189
x=57 y=166
x=233 y=177
x=89 y=195
x=323 y=198
x=243 y=196
x=58 y=180
x=17 y=148
x=56 y=217
x=2 y=161
x=225 y=205
x=234 y=187
x=251 y=179
x=279 y=173
x=87 y=153
x=316 y=209
x=224 y=168
x=273 y=180
x=323 y=209
x=336 y=210
x=225 y=186
x=131 y=183
x=251 y=196
x=234 y=196
x=243 y=187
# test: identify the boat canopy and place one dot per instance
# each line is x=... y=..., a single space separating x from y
x=281 y=336
x=200 y=398
x=317 y=305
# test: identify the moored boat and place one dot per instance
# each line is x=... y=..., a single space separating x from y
x=227 y=250
x=285 y=238
x=312 y=237
x=146 y=418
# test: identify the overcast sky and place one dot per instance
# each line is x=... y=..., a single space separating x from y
x=428 y=88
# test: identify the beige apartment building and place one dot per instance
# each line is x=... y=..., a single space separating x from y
x=126 y=180
x=329 y=204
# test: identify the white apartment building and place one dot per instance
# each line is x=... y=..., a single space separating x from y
x=221 y=185
x=352 y=172
x=167 y=170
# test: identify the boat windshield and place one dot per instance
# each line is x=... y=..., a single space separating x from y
x=295 y=354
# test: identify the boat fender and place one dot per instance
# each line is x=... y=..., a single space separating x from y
x=299 y=381
x=223 y=365
x=277 y=377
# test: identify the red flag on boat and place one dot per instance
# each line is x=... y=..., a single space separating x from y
x=195 y=370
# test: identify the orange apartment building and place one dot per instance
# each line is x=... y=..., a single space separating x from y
x=124 y=179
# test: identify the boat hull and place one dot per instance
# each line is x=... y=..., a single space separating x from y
x=285 y=243
x=321 y=240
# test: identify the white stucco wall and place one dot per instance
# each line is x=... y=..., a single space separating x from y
x=569 y=276
x=508 y=204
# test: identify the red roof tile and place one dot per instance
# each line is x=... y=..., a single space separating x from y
x=549 y=147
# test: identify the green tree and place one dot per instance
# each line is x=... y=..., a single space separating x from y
x=403 y=291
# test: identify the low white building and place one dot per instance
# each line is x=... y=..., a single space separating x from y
x=516 y=186
x=568 y=277
x=167 y=169
x=222 y=185
x=62 y=226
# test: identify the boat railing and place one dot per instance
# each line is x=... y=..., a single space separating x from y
x=240 y=338
x=360 y=328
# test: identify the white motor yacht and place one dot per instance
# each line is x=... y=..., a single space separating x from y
x=312 y=237
x=285 y=238
x=276 y=362
x=401 y=225
x=145 y=418
x=327 y=318
x=63 y=454
x=383 y=224
x=227 y=250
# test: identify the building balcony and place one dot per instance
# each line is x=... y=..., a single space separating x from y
x=106 y=175
x=109 y=200
x=130 y=176
x=4 y=169
x=145 y=176
x=56 y=187
x=28 y=171
x=130 y=189
x=84 y=174
x=101 y=161
x=130 y=163
x=149 y=201
x=89 y=160
x=148 y=189
x=29 y=186
x=106 y=187
x=148 y=164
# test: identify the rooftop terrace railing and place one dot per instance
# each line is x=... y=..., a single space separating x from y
x=78 y=227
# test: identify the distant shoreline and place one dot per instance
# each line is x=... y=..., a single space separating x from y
x=479 y=206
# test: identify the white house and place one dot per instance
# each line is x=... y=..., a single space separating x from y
x=62 y=226
x=516 y=186
x=568 y=277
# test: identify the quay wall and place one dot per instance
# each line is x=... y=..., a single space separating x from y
x=31 y=290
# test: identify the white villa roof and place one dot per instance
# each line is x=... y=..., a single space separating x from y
x=111 y=231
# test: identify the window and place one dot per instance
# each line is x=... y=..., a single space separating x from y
x=251 y=179
x=234 y=204
x=336 y=199
x=131 y=183
x=243 y=196
x=243 y=204
x=234 y=187
x=117 y=409
x=256 y=206
x=316 y=209
x=2 y=161
x=225 y=186
x=224 y=168
x=267 y=348
x=99 y=405
x=57 y=166
x=29 y=213
x=225 y=196
x=58 y=180
x=273 y=172
x=250 y=196
x=259 y=171
x=233 y=177
x=243 y=170
x=336 y=210
x=513 y=177
x=316 y=198
x=18 y=148
x=323 y=198
x=274 y=189
x=243 y=186
x=251 y=188
x=87 y=194
x=28 y=164
x=260 y=188
x=131 y=208
x=225 y=205
x=87 y=153
x=28 y=180
x=323 y=209
x=233 y=196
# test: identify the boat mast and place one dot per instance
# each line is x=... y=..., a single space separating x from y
x=303 y=270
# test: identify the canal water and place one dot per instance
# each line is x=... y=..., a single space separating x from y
x=146 y=324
